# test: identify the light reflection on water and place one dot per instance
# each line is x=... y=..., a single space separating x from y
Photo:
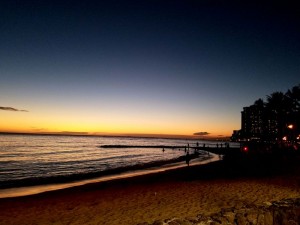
x=23 y=191
x=28 y=156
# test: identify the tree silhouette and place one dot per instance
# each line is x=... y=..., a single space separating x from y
x=270 y=120
x=276 y=113
x=293 y=98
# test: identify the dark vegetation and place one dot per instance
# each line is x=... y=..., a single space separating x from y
x=277 y=119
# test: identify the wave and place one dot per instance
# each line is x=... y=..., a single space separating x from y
x=33 y=181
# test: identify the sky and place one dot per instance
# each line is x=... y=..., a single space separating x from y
x=142 y=67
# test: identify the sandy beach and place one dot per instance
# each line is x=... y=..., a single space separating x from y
x=182 y=193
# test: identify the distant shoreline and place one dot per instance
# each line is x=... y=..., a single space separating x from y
x=150 y=136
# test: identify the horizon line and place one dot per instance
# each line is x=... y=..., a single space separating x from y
x=95 y=134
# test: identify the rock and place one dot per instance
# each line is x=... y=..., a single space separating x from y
x=214 y=223
x=268 y=203
x=192 y=220
x=239 y=205
x=278 y=218
x=219 y=219
x=207 y=222
x=201 y=217
x=252 y=216
x=269 y=218
x=230 y=216
x=240 y=219
x=179 y=222
x=284 y=212
x=261 y=219
x=158 y=222
x=173 y=223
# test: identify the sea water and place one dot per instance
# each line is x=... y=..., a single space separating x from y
x=34 y=159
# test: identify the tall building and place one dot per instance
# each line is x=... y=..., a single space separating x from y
x=277 y=120
x=259 y=124
x=252 y=122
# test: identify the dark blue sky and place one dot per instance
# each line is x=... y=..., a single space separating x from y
x=145 y=66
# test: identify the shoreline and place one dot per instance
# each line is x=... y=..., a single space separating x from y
x=179 y=193
x=12 y=192
x=34 y=181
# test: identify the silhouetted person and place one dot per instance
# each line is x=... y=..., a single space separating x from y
x=187 y=158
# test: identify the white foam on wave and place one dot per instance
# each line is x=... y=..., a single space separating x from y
x=25 y=191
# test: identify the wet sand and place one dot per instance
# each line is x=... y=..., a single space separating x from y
x=183 y=192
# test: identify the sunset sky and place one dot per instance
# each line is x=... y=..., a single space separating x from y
x=142 y=67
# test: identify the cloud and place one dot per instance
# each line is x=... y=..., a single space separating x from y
x=36 y=129
x=12 y=109
x=201 y=133
x=73 y=133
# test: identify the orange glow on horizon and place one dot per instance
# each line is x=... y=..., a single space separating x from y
x=136 y=134
x=111 y=131
x=137 y=124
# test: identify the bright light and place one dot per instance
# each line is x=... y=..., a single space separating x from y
x=291 y=126
x=284 y=138
x=245 y=149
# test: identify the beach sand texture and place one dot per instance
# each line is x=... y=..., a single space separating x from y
x=180 y=193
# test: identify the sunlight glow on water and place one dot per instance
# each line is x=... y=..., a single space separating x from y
x=38 y=156
x=25 y=156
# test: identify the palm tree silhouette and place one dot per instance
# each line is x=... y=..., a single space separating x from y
x=270 y=120
x=293 y=97
x=276 y=110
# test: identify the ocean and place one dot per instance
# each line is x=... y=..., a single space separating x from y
x=27 y=160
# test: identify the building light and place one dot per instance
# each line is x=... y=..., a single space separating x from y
x=284 y=138
x=291 y=126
